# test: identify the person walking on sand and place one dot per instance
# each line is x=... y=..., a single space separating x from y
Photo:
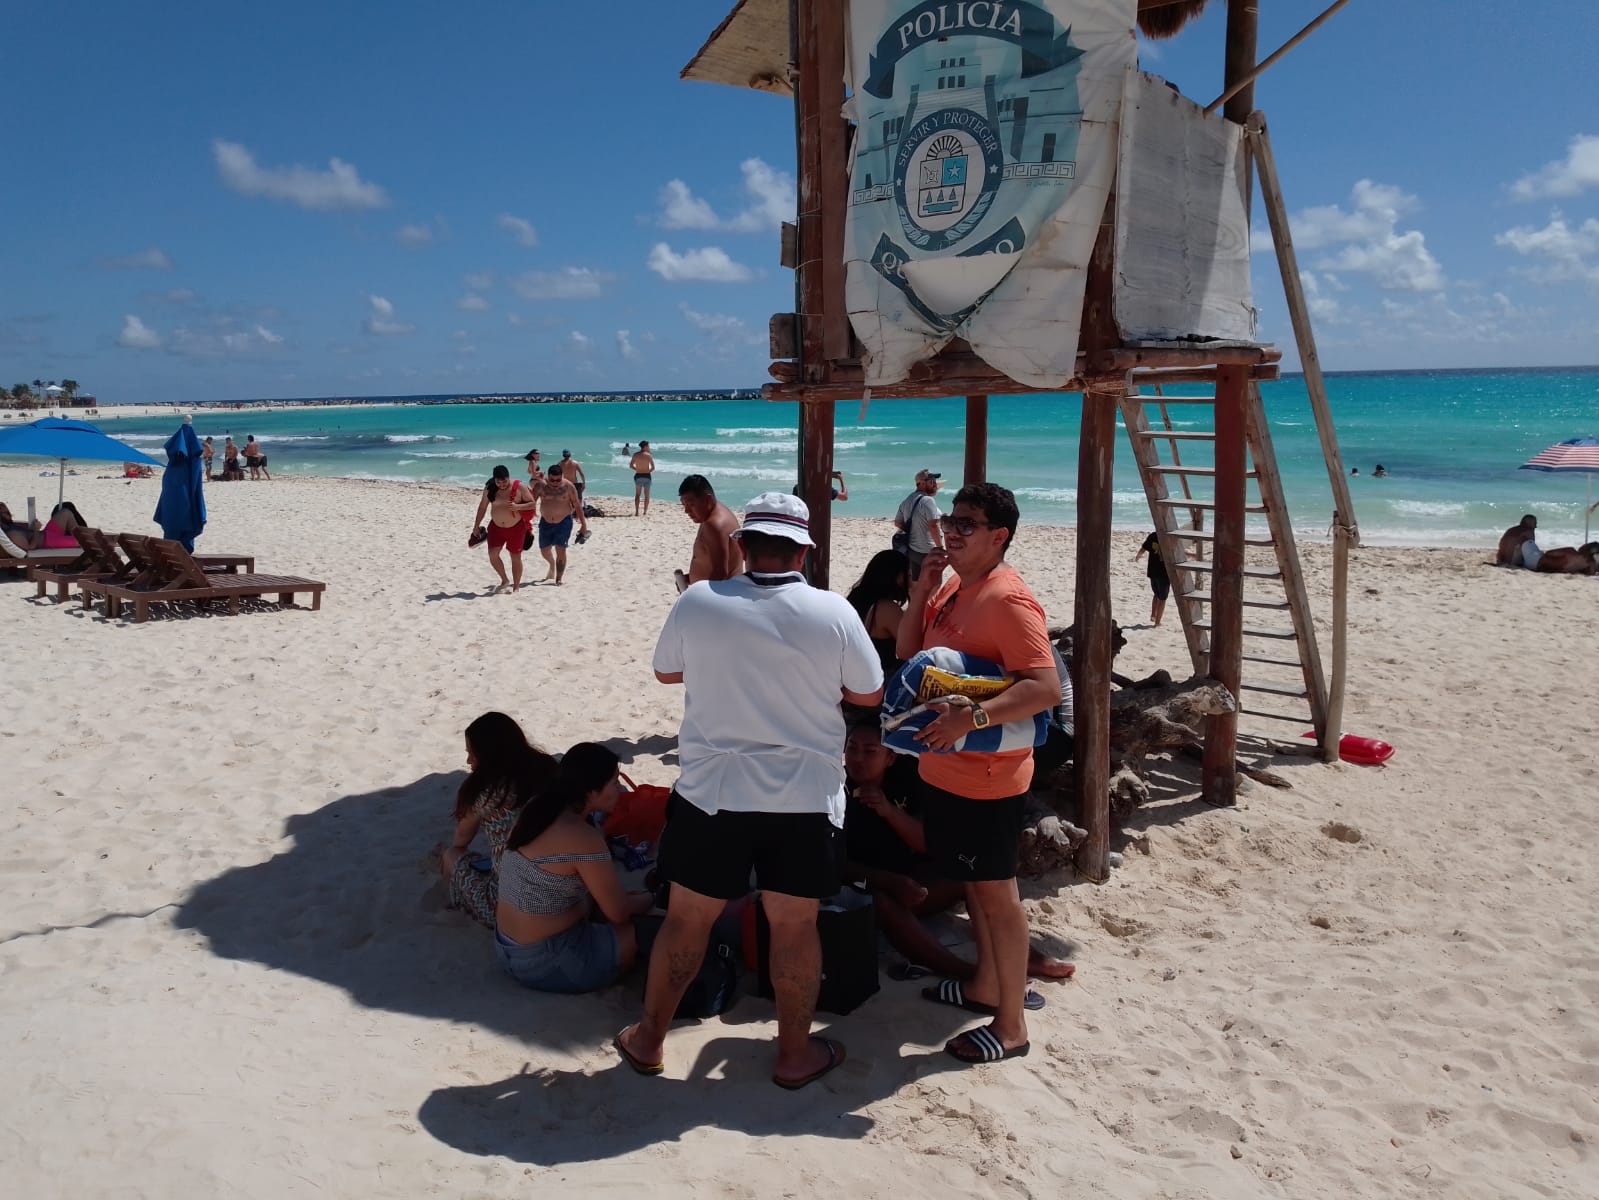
x=716 y=551
x=764 y=659
x=507 y=501
x=572 y=471
x=207 y=454
x=535 y=473
x=558 y=508
x=643 y=465
x=917 y=519
x=973 y=802
x=1159 y=580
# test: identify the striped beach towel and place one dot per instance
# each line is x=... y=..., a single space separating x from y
x=933 y=674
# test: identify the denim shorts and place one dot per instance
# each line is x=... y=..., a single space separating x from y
x=583 y=958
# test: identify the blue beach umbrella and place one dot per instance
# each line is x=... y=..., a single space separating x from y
x=1573 y=454
x=59 y=439
x=181 y=510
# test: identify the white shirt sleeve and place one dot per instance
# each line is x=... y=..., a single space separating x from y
x=862 y=669
x=669 y=646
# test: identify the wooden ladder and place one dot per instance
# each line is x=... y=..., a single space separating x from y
x=1287 y=664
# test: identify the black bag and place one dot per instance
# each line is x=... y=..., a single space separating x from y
x=715 y=989
x=847 y=924
x=527 y=542
x=901 y=542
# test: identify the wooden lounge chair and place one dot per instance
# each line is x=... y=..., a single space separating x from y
x=97 y=559
x=14 y=559
x=188 y=581
x=153 y=571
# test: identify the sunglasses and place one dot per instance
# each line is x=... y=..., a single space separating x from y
x=964 y=526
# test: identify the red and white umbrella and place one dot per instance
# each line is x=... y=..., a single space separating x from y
x=1573 y=454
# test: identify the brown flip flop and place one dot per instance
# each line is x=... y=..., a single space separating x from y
x=638 y=1064
x=835 y=1058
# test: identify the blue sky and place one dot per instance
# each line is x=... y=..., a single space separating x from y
x=211 y=201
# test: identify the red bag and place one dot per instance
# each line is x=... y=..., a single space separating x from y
x=640 y=813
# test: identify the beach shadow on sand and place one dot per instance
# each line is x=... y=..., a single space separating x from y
x=357 y=902
x=659 y=745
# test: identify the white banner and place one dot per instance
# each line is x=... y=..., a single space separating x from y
x=985 y=147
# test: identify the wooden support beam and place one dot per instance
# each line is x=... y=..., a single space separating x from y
x=1248 y=79
x=1219 y=778
x=1091 y=646
x=816 y=477
x=1243 y=26
x=976 y=439
x=806 y=28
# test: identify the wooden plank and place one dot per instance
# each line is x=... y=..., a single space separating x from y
x=782 y=335
x=809 y=90
x=1287 y=552
x=788 y=245
x=1219 y=777
x=976 y=439
x=816 y=485
x=827 y=24
x=1091 y=658
x=1346 y=529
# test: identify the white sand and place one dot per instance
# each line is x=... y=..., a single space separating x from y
x=225 y=968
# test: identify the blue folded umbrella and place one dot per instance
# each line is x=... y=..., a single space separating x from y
x=181 y=510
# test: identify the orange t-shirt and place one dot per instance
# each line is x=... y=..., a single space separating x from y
x=995 y=618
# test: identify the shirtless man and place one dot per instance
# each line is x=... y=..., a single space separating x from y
x=643 y=464
x=716 y=554
x=1513 y=540
x=572 y=471
x=507 y=501
x=558 y=508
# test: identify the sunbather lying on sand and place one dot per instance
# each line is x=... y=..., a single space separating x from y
x=1571 y=560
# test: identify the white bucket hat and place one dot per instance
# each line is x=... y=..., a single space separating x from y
x=780 y=515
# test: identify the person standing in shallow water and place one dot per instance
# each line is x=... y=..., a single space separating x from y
x=643 y=465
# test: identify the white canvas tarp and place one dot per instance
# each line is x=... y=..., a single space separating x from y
x=985 y=147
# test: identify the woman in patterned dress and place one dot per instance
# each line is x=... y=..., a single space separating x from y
x=504 y=772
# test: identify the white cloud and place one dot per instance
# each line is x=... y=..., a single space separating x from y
x=339 y=187
x=579 y=343
x=521 y=231
x=1322 y=306
x=136 y=335
x=177 y=296
x=1560 y=252
x=706 y=265
x=479 y=281
x=724 y=334
x=472 y=302
x=682 y=209
x=513 y=318
x=770 y=194
x=569 y=283
x=153 y=259
x=1365 y=238
x=1575 y=173
x=624 y=345
x=414 y=235
x=221 y=337
x=267 y=336
x=381 y=320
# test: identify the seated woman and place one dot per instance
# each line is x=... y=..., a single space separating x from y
x=504 y=772
x=61 y=529
x=24 y=537
x=556 y=870
x=879 y=596
x=886 y=847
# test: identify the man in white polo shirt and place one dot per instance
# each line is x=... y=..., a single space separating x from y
x=765 y=660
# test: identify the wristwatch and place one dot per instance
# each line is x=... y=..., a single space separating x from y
x=980 y=719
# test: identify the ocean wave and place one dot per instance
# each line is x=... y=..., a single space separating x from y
x=467 y=454
x=787 y=475
x=416 y=437
x=742 y=447
x=758 y=431
x=1429 y=508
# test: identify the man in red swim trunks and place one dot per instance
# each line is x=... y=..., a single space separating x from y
x=507 y=501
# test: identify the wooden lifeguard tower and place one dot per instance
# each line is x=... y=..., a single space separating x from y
x=1166 y=301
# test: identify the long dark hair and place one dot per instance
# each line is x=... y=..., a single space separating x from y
x=506 y=761
x=884 y=579
x=585 y=768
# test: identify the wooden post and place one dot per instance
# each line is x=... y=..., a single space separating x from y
x=1249 y=77
x=816 y=485
x=976 y=439
x=1219 y=780
x=1091 y=646
x=1243 y=23
x=1346 y=530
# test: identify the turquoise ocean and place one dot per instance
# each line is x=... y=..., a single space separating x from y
x=1451 y=442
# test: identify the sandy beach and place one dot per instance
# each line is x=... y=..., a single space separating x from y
x=226 y=968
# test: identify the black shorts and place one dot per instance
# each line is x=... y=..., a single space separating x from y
x=1160 y=585
x=796 y=854
x=969 y=841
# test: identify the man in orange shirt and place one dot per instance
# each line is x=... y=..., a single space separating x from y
x=973 y=803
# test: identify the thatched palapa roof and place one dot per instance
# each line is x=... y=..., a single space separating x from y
x=750 y=48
